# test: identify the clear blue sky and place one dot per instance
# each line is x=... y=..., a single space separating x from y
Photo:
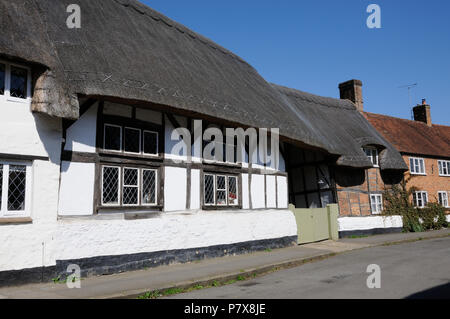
x=315 y=45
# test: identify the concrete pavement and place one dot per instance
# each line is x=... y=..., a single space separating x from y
x=133 y=284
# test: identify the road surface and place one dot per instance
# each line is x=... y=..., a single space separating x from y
x=416 y=270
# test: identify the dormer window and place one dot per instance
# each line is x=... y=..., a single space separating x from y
x=372 y=155
x=14 y=82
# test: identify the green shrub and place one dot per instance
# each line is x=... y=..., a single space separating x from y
x=398 y=202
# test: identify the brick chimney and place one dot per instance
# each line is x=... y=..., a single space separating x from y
x=422 y=113
x=352 y=90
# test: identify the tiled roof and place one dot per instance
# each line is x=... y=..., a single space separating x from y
x=412 y=136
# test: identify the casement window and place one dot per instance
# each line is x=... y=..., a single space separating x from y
x=376 y=203
x=220 y=190
x=128 y=186
x=444 y=168
x=14 y=82
x=417 y=165
x=443 y=198
x=420 y=199
x=372 y=155
x=130 y=140
x=15 y=189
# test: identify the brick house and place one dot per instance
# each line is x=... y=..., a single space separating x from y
x=425 y=148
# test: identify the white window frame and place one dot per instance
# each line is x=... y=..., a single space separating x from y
x=140 y=140
x=444 y=201
x=377 y=201
x=422 y=197
x=441 y=165
x=7 y=94
x=237 y=190
x=227 y=190
x=214 y=189
x=143 y=143
x=119 y=181
x=141 y=194
x=222 y=189
x=131 y=186
x=4 y=212
x=373 y=154
x=412 y=168
x=104 y=137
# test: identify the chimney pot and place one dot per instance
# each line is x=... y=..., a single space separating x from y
x=424 y=101
x=352 y=90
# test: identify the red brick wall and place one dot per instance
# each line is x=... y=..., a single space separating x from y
x=354 y=193
x=431 y=182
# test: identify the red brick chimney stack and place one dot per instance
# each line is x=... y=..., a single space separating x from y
x=422 y=113
x=352 y=90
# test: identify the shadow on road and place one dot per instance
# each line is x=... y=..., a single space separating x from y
x=438 y=292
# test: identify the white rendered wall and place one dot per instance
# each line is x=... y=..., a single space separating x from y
x=82 y=238
x=77 y=189
x=81 y=135
x=257 y=189
x=271 y=191
x=282 y=192
x=195 y=189
x=26 y=133
x=245 y=194
x=175 y=185
x=369 y=222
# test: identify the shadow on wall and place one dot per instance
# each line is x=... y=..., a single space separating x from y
x=347 y=177
x=50 y=133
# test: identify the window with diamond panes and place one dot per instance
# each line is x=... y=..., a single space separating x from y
x=2 y=78
x=132 y=140
x=232 y=191
x=130 y=188
x=150 y=143
x=110 y=185
x=221 y=190
x=209 y=189
x=18 y=85
x=112 y=137
x=14 y=188
x=17 y=187
x=149 y=187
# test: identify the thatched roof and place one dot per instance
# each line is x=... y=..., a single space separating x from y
x=126 y=50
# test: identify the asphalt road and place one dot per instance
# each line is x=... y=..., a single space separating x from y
x=415 y=270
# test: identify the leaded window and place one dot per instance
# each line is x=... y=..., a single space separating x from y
x=149 y=185
x=18 y=85
x=14 y=188
x=129 y=186
x=110 y=185
x=220 y=190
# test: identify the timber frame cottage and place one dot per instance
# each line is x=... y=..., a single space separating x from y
x=87 y=172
